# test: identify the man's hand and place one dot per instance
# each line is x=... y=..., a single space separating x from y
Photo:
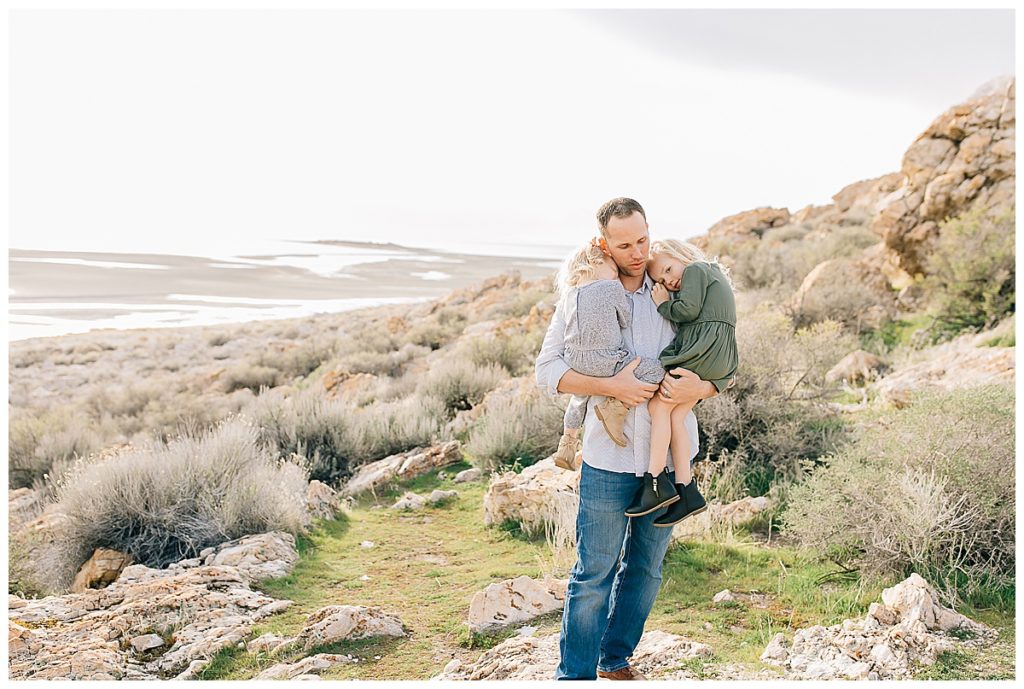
x=625 y=387
x=687 y=388
x=659 y=294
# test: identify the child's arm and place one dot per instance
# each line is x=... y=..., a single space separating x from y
x=687 y=303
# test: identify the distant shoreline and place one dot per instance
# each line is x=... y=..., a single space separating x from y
x=56 y=293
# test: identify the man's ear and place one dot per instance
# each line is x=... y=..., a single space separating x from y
x=604 y=246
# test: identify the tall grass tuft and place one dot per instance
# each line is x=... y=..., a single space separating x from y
x=169 y=501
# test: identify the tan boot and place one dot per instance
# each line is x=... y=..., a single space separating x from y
x=612 y=414
x=565 y=456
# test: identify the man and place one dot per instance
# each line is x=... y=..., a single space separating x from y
x=607 y=602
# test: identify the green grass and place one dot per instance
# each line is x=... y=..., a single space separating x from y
x=426 y=565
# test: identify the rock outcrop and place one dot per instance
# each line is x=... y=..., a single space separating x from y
x=403 y=466
x=514 y=601
x=962 y=362
x=909 y=629
x=108 y=633
x=962 y=161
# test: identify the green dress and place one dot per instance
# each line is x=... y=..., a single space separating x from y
x=704 y=311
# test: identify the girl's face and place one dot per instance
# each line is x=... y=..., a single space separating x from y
x=666 y=270
x=605 y=270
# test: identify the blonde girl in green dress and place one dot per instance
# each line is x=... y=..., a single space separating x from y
x=703 y=309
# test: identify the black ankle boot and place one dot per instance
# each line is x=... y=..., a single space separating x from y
x=658 y=491
x=692 y=503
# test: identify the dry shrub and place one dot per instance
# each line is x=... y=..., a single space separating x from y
x=773 y=418
x=782 y=257
x=169 y=501
x=929 y=489
x=387 y=363
x=250 y=377
x=38 y=441
x=458 y=383
x=521 y=428
x=300 y=360
x=334 y=437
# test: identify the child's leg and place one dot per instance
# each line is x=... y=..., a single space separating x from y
x=681 y=443
x=661 y=431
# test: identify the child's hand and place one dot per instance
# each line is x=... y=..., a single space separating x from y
x=659 y=294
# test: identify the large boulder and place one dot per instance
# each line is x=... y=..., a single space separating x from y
x=402 y=466
x=753 y=222
x=962 y=161
x=344 y=622
x=514 y=601
x=543 y=494
x=909 y=630
x=259 y=556
x=100 y=570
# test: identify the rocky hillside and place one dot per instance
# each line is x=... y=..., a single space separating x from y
x=963 y=161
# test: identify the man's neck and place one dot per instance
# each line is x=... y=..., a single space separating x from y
x=631 y=283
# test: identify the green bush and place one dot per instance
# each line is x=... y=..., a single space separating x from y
x=971 y=271
x=772 y=419
x=929 y=489
x=522 y=428
x=169 y=501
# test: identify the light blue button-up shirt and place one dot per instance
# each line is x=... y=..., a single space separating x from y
x=649 y=333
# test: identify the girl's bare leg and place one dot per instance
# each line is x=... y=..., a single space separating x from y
x=661 y=432
x=680 y=443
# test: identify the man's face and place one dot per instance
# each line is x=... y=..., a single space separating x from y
x=628 y=244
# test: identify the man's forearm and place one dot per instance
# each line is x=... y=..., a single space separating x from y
x=574 y=383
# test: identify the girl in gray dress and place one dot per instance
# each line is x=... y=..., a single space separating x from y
x=596 y=309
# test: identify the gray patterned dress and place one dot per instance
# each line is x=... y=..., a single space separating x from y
x=595 y=315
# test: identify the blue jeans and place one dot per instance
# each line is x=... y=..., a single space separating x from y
x=607 y=602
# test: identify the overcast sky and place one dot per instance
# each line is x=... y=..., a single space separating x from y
x=185 y=130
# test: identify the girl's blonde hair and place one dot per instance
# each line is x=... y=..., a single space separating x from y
x=686 y=253
x=579 y=267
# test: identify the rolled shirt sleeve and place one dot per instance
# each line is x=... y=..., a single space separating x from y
x=551 y=365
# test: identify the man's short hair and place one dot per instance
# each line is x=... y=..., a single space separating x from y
x=617 y=208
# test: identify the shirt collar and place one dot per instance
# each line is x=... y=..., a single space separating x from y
x=647 y=285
